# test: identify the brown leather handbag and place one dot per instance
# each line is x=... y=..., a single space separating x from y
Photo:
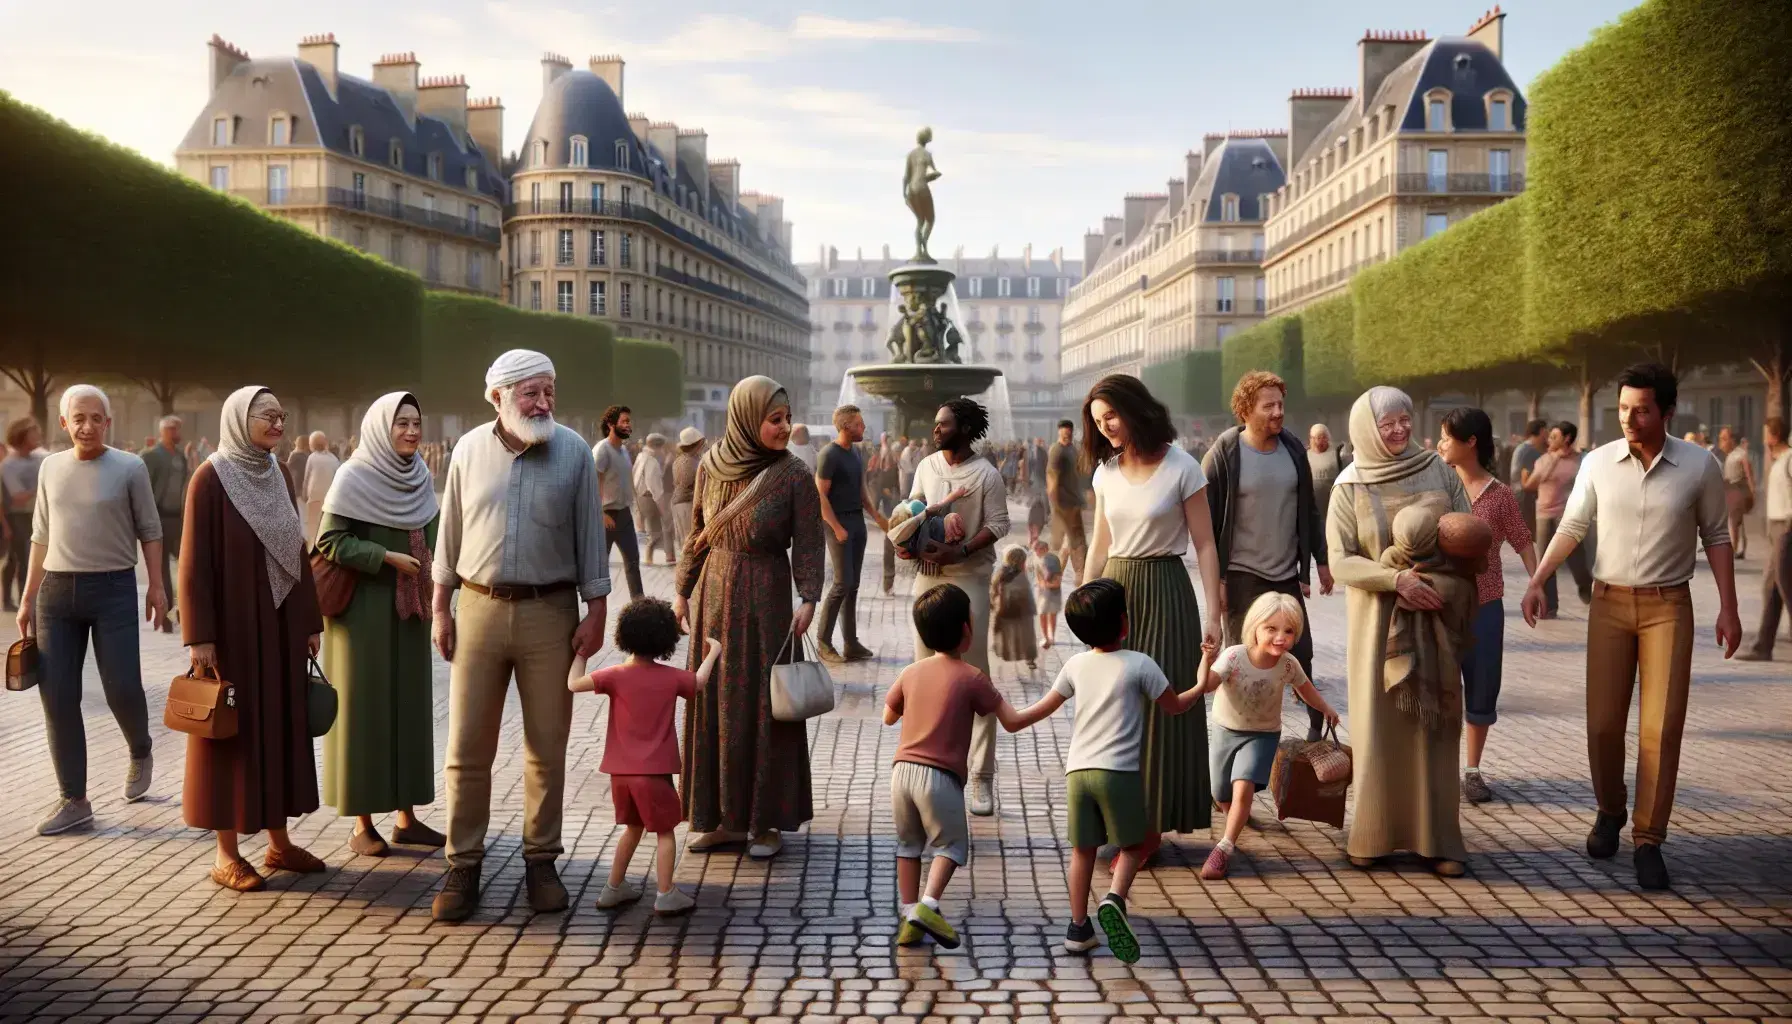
x=335 y=585
x=21 y=664
x=202 y=706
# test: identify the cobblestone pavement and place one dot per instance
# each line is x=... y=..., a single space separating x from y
x=120 y=923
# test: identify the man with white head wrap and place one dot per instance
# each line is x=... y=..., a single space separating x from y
x=522 y=537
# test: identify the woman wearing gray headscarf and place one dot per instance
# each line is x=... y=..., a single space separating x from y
x=248 y=610
x=1406 y=772
x=379 y=523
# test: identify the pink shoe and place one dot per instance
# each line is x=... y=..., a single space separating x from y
x=1215 y=868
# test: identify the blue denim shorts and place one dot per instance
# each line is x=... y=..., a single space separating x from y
x=1481 y=664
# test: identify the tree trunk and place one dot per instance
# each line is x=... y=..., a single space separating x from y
x=36 y=382
x=1776 y=369
x=1588 y=388
x=1533 y=406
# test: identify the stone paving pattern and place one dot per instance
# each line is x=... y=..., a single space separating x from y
x=120 y=923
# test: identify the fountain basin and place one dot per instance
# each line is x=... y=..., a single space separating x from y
x=919 y=389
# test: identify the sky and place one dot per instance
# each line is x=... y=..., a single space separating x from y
x=1045 y=113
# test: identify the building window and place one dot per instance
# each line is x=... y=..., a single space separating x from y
x=563 y=248
x=627 y=195
x=622 y=162
x=538 y=153
x=1229 y=208
x=1499 y=170
x=566 y=197
x=597 y=197
x=628 y=245
x=1226 y=295
x=435 y=167
x=535 y=248
x=563 y=297
x=280 y=130
x=535 y=197
x=1060 y=287
x=1437 y=115
x=1437 y=170
x=221 y=178
x=395 y=154
x=839 y=287
x=360 y=191
x=598 y=304
x=1032 y=314
x=398 y=197
x=598 y=256
x=1225 y=331
x=432 y=261
x=357 y=140
x=1032 y=287
x=276 y=185
x=535 y=296
x=868 y=287
x=397 y=249
x=472 y=216
x=475 y=270
x=222 y=131
x=1435 y=223
x=976 y=287
x=627 y=299
x=1004 y=287
x=358 y=237
x=869 y=316
x=472 y=179
x=1259 y=295
x=580 y=157
x=1499 y=114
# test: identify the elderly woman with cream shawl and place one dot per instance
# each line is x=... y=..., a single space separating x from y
x=248 y=610
x=1406 y=756
x=378 y=526
x=756 y=528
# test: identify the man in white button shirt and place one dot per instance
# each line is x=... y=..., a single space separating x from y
x=1651 y=499
x=1776 y=575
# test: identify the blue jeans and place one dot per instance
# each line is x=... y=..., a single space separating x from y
x=1481 y=664
x=70 y=606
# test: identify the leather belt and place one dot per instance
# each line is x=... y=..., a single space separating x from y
x=504 y=592
x=1613 y=588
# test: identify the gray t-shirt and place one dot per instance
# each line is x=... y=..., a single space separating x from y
x=18 y=476
x=1524 y=458
x=91 y=513
x=1264 y=527
x=615 y=476
x=1113 y=690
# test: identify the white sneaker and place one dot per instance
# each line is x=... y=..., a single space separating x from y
x=69 y=814
x=673 y=902
x=616 y=895
x=136 y=778
x=983 y=796
x=767 y=845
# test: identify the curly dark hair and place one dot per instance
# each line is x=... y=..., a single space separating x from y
x=973 y=419
x=613 y=415
x=1148 y=426
x=647 y=629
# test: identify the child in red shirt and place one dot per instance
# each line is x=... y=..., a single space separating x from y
x=641 y=744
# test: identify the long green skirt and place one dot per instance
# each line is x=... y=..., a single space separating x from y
x=1164 y=621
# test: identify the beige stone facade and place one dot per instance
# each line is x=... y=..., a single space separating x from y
x=625 y=219
x=1432 y=132
x=397 y=165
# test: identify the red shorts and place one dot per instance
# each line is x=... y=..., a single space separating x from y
x=646 y=800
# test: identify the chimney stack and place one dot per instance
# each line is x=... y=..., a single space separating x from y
x=1176 y=187
x=693 y=152
x=637 y=123
x=1026 y=258
x=1140 y=208
x=886 y=252
x=1192 y=163
x=726 y=175
x=1490 y=31
x=225 y=58
x=553 y=66
x=397 y=74
x=1092 y=243
x=445 y=99
x=1210 y=142
x=1379 y=53
x=320 y=53
x=786 y=236
x=485 y=126
x=833 y=260
x=1309 y=111
x=663 y=136
x=609 y=68
x=1058 y=259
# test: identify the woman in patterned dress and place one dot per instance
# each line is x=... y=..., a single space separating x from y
x=746 y=776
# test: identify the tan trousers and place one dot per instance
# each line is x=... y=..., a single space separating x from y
x=976 y=586
x=493 y=639
x=1638 y=639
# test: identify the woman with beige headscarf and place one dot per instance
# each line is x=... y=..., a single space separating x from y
x=756 y=526
x=1406 y=777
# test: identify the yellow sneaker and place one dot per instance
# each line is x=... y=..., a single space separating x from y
x=908 y=933
x=933 y=924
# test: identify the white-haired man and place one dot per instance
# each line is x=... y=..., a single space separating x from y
x=94 y=508
x=320 y=472
x=1326 y=462
x=522 y=538
x=169 y=473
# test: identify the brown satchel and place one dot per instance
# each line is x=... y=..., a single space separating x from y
x=21 y=664
x=201 y=706
x=1297 y=789
x=335 y=585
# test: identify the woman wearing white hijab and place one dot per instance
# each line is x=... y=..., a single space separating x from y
x=379 y=526
x=248 y=609
x=1407 y=793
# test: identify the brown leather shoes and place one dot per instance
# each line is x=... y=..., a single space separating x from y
x=546 y=894
x=292 y=858
x=239 y=876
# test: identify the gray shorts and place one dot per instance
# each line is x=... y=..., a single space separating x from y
x=927 y=805
x=1240 y=755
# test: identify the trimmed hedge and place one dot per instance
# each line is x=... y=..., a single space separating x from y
x=1189 y=384
x=1449 y=305
x=1168 y=383
x=649 y=378
x=1272 y=345
x=1660 y=167
x=462 y=334
x=1328 y=350
x=135 y=270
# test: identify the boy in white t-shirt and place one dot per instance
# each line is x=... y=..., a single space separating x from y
x=1105 y=788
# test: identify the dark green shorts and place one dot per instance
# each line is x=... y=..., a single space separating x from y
x=1105 y=807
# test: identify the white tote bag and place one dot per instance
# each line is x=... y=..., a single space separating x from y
x=801 y=690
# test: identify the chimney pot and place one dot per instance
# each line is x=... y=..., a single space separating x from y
x=397 y=74
x=225 y=58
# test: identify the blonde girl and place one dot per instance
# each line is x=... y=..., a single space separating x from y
x=1248 y=681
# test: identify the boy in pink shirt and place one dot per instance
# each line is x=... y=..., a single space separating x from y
x=641 y=744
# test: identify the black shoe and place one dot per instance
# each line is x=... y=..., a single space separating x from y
x=856 y=651
x=1754 y=654
x=1121 y=940
x=1586 y=596
x=1651 y=870
x=1080 y=938
x=459 y=896
x=825 y=651
x=1602 y=842
x=546 y=894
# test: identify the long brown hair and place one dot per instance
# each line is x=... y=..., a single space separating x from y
x=1148 y=426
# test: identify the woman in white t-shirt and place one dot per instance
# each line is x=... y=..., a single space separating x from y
x=1148 y=507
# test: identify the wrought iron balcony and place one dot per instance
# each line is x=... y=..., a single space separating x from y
x=1460 y=184
x=348 y=199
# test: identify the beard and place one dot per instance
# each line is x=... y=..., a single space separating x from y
x=531 y=430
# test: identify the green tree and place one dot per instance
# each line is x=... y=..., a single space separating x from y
x=649 y=378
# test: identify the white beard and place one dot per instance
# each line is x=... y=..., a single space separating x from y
x=531 y=430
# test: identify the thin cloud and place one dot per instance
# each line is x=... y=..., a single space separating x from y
x=823 y=27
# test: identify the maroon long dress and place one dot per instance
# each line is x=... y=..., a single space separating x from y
x=267 y=772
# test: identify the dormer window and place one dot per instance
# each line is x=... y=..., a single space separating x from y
x=223 y=131
x=472 y=179
x=1437 y=111
x=280 y=130
x=538 y=153
x=1499 y=112
x=622 y=154
x=435 y=166
x=1228 y=208
x=395 y=154
x=580 y=153
x=357 y=140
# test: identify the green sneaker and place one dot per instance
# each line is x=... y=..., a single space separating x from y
x=931 y=922
x=1121 y=940
x=908 y=933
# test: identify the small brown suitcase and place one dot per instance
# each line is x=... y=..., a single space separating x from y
x=201 y=706
x=1297 y=790
x=21 y=664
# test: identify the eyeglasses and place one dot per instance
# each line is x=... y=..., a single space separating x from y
x=273 y=419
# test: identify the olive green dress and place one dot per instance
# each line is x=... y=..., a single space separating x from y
x=380 y=754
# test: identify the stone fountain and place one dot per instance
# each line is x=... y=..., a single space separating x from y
x=925 y=369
